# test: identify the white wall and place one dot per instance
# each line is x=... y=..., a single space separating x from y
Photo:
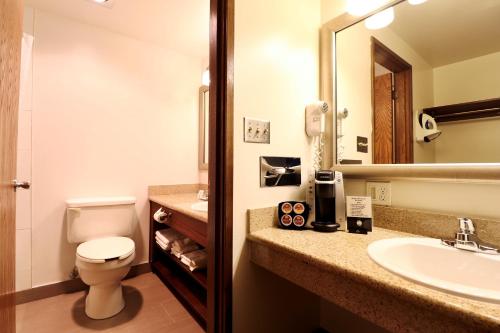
x=354 y=86
x=331 y=9
x=470 y=80
x=111 y=116
x=467 y=197
x=23 y=172
x=276 y=75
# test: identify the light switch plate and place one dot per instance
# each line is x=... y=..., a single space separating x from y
x=256 y=130
x=380 y=192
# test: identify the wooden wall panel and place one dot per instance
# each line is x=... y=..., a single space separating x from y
x=10 y=55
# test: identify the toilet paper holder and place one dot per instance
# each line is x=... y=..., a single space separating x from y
x=162 y=215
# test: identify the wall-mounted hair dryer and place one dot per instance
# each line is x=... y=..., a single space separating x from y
x=427 y=129
x=315 y=118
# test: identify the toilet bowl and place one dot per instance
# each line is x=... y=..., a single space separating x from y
x=102 y=227
x=102 y=264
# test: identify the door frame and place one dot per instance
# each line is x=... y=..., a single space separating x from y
x=220 y=173
x=403 y=101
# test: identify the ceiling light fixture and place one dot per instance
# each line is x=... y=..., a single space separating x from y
x=363 y=7
x=104 y=3
x=416 y=2
x=380 y=20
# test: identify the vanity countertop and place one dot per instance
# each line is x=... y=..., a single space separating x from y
x=180 y=202
x=345 y=255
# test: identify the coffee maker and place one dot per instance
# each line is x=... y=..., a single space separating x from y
x=329 y=201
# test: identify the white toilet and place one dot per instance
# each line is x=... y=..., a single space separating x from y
x=102 y=227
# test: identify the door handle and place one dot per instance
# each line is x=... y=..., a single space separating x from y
x=18 y=184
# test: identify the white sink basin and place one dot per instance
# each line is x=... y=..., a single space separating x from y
x=201 y=206
x=428 y=262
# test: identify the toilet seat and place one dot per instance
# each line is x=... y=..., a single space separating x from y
x=106 y=249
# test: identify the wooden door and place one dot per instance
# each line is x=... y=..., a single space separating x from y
x=10 y=55
x=382 y=119
x=403 y=117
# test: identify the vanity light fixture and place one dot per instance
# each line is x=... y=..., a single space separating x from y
x=205 y=78
x=416 y=2
x=380 y=20
x=103 y=3
x=363 y=7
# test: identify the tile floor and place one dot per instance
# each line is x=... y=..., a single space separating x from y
x=151 y=307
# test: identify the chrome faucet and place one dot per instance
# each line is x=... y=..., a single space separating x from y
x=466 y=239
x=202 y=195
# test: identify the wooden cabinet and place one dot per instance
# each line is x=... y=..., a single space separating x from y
x=190 y=288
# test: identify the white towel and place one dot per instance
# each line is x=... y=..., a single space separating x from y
x=168 y=235
x=195 y=260
x=176 y=253
x=179 y=253
x=184 y=245
x=163 y=247
x=162 y=244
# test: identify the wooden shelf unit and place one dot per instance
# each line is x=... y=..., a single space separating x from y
x=465 y=111
x=190 y=288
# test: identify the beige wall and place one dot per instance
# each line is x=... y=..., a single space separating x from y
x=355 y=88
x=331 y=9
x=24 y=150
x=111 y=116
x=460 y=197
x=276 y=75
x=471 y=80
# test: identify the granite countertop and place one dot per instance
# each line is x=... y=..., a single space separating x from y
x=345 y=253
x=180 y=202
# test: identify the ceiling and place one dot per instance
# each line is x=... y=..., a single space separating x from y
x=448 y=31
x=183 y=24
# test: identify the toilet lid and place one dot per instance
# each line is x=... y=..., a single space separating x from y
x=104 y=249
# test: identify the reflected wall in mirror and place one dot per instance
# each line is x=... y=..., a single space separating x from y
x=203 y=130
x=425 y=89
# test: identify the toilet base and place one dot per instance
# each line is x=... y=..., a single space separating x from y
x=104 y=301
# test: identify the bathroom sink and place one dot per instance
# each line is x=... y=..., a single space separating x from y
x=200 y=206
x=428 y=262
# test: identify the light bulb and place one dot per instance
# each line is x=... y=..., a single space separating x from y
x=416 y=2
x=380 y=20
x=363 y=7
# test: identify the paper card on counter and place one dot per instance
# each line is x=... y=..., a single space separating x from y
x=359 y=206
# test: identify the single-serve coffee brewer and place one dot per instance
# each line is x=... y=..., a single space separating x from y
x=329 y=201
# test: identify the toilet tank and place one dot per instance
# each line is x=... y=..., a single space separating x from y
x=91 y=218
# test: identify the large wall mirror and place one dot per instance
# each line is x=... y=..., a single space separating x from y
x=204 y=105
x=421 y=87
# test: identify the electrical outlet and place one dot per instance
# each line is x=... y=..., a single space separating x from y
x=256 y=131
x=380 y=192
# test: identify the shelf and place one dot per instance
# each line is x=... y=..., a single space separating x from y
x=186 y=225
x=200 y=276
x=191 y=296
x=465 y=111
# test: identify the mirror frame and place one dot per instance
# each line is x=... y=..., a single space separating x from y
x=328 y=81
x=201 y=128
